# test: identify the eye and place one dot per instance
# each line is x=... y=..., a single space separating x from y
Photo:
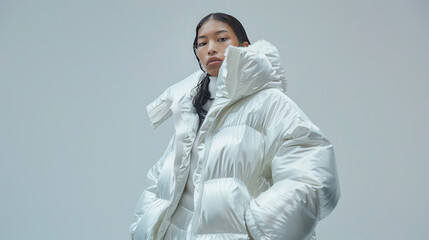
x=222 y=39
x=200 y=44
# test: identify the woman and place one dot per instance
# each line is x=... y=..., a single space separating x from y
x=245 y=162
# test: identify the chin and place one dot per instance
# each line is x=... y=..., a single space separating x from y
x=214 y=73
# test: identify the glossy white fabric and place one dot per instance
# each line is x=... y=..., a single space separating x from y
x=265 y=171
x=187 y=199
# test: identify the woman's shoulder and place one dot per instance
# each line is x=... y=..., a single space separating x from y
x=275 y=104
x=160 y=109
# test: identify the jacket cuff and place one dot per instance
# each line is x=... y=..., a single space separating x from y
x=158 y=111
x=252 y=226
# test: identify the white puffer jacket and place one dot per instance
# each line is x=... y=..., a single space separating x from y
x=264 y=167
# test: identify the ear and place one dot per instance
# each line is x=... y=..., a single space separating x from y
x=245 y=44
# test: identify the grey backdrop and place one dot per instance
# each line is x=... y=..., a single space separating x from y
x=76 y=76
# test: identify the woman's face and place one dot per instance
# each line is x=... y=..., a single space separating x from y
x=213 y=38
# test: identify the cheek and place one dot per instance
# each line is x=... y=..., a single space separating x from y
x=228 y=43
x=200 y=58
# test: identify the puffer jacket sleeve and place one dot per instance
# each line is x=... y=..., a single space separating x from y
x=149 y=194
x=305 y=183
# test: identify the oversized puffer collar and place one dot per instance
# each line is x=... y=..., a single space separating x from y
x=244 y=71
x=247 y=70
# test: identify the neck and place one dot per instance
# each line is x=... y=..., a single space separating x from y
x=212 y=86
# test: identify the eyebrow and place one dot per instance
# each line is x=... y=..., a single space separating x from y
x=221 y=31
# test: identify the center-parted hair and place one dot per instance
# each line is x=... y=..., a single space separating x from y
x=203 y=93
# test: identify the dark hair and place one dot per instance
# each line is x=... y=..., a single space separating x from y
x=203 y=93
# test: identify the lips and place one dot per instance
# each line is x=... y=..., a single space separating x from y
x=213 y=60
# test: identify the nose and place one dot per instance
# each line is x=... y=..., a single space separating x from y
x=212 y=49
